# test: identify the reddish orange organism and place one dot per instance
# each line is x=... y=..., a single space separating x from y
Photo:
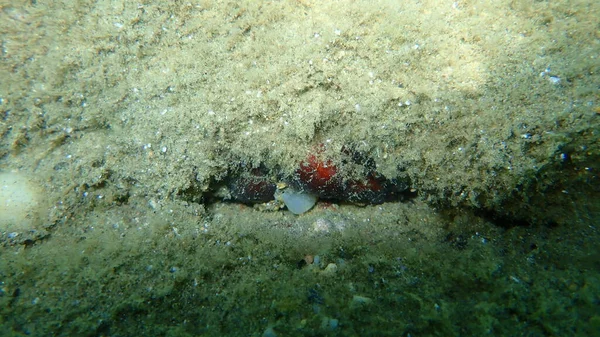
x=319 y=176
x=323 y=178
x=317 y=172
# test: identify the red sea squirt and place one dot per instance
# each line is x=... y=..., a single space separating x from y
x=319 y=176
x=322 y=178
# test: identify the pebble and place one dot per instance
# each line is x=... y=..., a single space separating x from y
x=330 y=270
x=269 y=332
x=309 y=259
x=359 y=302
x=329 y=323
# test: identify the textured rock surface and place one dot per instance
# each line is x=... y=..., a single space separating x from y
x=133 y=115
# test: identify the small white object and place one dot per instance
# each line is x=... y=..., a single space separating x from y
x=554 y=79
x=298 y=202
x=21 y=202
x=269 y=332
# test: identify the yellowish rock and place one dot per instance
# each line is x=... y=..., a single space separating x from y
x=330 y=270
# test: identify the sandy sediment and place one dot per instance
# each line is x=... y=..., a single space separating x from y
x=488 y=111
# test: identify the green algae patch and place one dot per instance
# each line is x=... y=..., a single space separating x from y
x=131 y=116
x=428 y=273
